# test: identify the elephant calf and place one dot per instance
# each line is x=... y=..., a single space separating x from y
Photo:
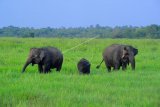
x=47 y=58
x=83 y=66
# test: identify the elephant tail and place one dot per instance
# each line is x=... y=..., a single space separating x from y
x=98 y=66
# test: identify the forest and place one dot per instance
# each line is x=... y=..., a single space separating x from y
x=151 y=31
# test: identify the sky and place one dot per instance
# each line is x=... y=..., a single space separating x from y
x=78 y=13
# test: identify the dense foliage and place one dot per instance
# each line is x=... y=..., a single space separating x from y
x=152 y=31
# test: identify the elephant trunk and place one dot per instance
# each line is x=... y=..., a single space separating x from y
x=132 y=61
x=26 y=64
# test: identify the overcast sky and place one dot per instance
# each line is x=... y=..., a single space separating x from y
x=76 y=13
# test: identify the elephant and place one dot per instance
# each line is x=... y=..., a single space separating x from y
x=117 y=55
x=84 y=66
x=47 y=58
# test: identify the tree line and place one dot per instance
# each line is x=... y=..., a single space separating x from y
x=151 y=31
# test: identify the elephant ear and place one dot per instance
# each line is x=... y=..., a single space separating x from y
x=42 y=55
x=135 y=51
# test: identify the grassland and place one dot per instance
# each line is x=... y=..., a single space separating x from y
x=140 y=88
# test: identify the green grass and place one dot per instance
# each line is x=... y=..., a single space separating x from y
x=140 y=88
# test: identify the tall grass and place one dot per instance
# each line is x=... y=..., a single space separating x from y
x=68 y=88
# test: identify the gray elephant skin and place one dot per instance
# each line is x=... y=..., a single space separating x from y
x=118 y=55
x=84 y=66
x=47 y=58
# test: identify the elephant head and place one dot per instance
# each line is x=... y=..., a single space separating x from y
x=132 y=53
x=36 y=55
x=125 y=56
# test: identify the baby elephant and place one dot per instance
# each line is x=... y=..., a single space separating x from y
x=84 y=66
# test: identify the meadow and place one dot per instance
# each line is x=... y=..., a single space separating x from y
x=139 y=88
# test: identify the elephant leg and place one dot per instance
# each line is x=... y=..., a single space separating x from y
x=59 y=66
x=124 y=67
x=58 y=69
x=40 y=69
x=46 y=69
x=109 y=68
x=43 y=69
x=116 y=67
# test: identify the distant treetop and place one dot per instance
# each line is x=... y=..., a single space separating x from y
x=151 y=31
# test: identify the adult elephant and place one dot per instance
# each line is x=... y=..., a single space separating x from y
x=118 y=55
x=47 y=58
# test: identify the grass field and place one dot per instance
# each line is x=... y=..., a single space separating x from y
x=139 y=88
